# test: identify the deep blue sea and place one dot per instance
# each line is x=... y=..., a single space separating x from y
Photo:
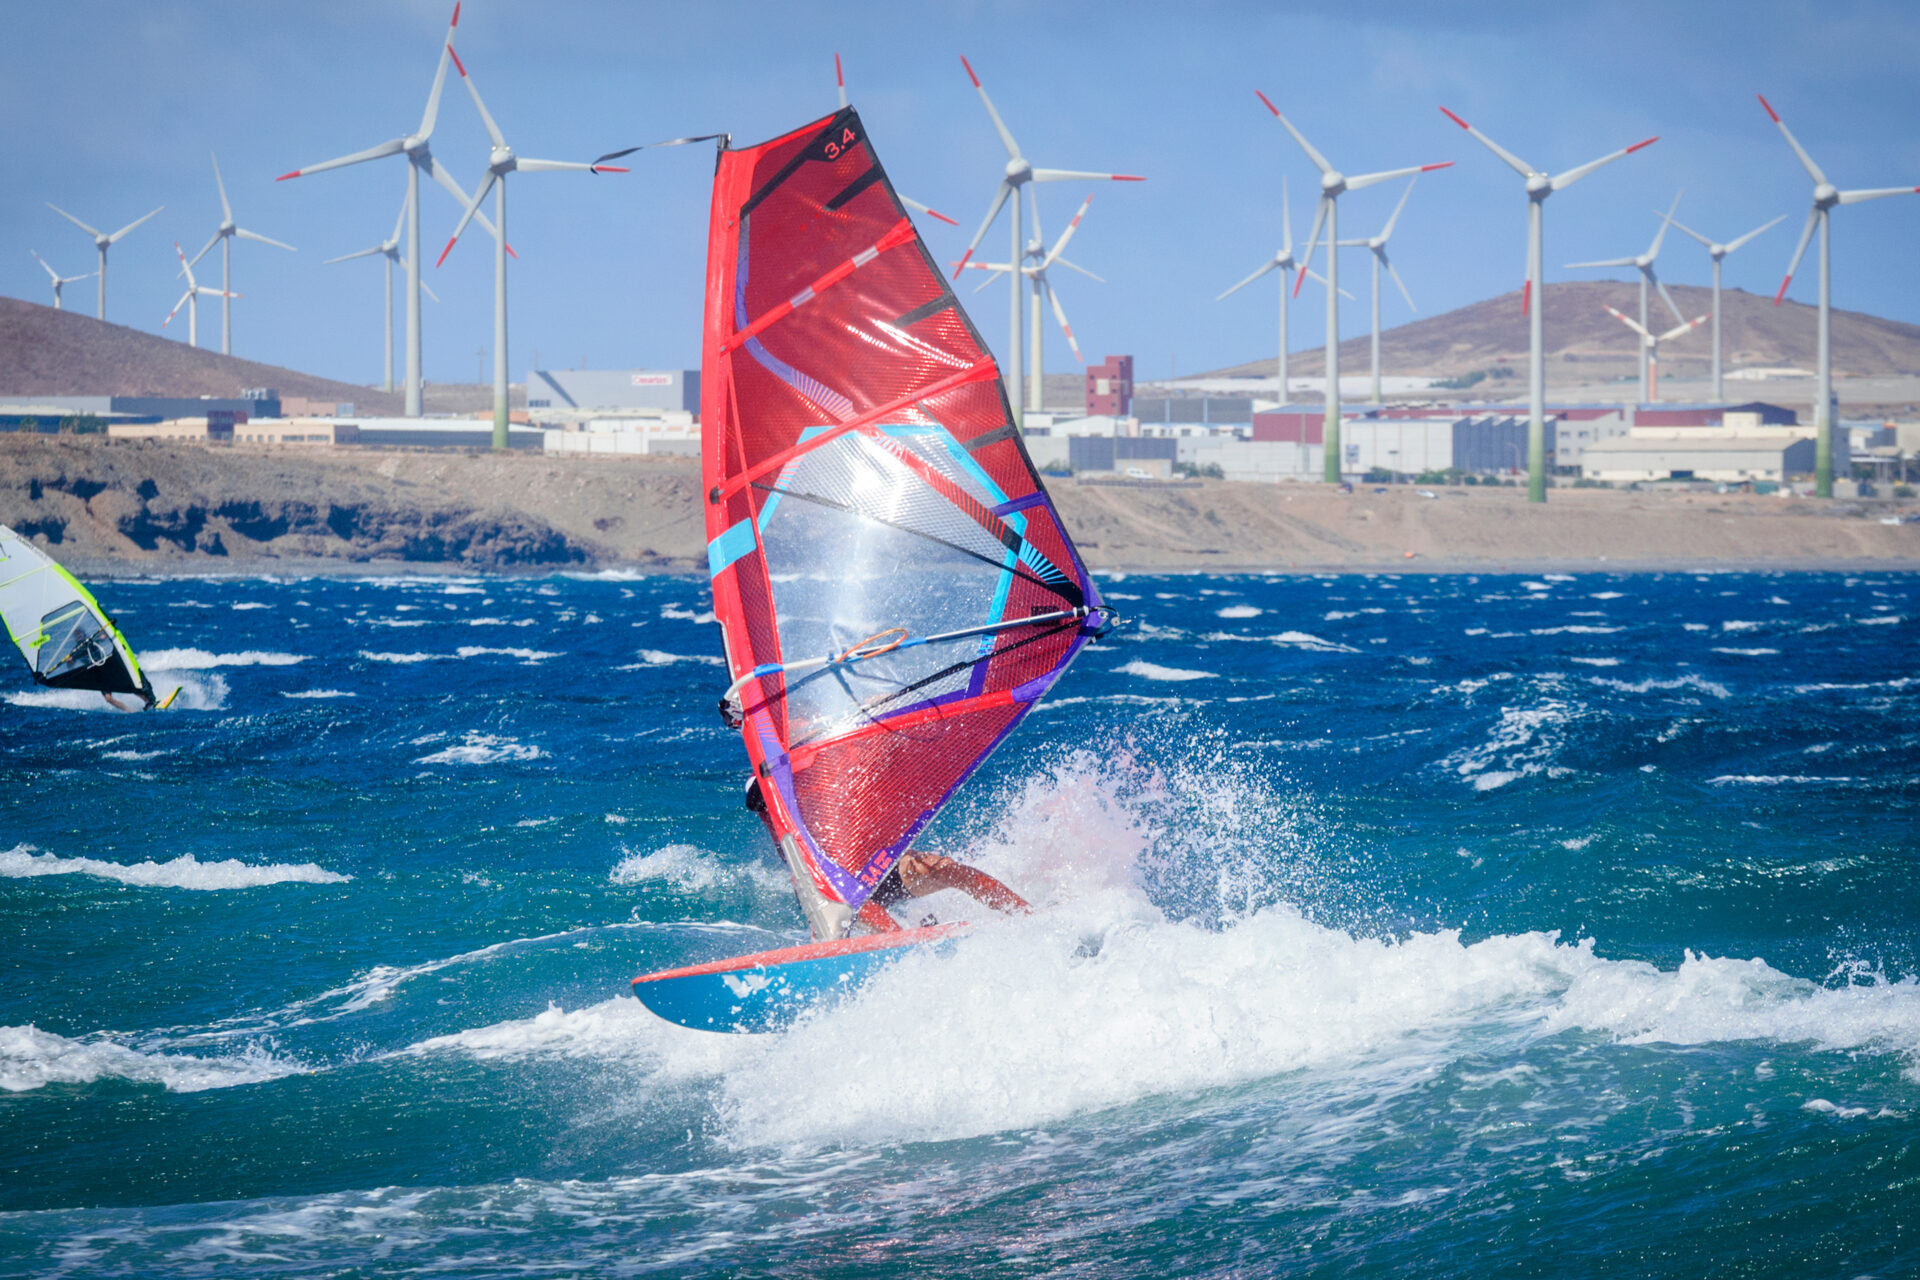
x=1396 y=925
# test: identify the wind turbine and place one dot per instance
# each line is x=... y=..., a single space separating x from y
x=1643 y=263
x=1284 y=263
x=1036 y=272
x=1378 y=244
x=101 y=242
x=1334 y=184
x=840 y=79
x=390 y=250
x=1719 y=251
x=1017 y=175
x=1825 y=196
x=1650 y=344
x=224 y=236
x=419 y=160
x=191 y=298
x=58 y=279
x=1540 y=185
x=502 y=161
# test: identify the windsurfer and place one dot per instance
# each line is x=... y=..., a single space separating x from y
x=916 y=875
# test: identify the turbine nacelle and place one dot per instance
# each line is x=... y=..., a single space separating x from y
x=1019 y=171
x=1332 y=183
x=1539 y=185
x=500 y=160
x=1826 y=195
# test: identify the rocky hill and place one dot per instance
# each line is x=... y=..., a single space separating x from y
x=1490 y=334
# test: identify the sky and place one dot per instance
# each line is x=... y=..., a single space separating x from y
x=113 y=108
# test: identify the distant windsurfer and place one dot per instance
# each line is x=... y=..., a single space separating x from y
x=916 y=875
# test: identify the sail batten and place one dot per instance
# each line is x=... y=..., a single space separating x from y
x=894 y=585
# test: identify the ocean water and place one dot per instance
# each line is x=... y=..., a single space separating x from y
x=1394 y=925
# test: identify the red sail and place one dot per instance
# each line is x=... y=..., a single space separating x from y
x=868 y=496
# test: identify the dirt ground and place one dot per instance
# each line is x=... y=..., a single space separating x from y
x=151 y=507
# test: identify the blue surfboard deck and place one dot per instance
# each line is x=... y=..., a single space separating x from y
x=768 y=990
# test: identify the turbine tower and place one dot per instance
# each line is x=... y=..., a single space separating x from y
x=102 y=242
x=1284 y=263
x=1540 y=185
x=1378 y=244
x=1719 y=251
x=390 y=250
x=1650 y=344
x=1017 y=175
x=840 y=79
x=1333 y=185
x=501 y=162
x=1825 y=196
x=419 y=160
x=1643 y=263
x=191 y=298
x=58 y=279
x=224 y=237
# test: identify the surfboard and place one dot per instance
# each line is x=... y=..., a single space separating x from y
x=768 y=990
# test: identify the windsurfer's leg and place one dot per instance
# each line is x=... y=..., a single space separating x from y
x=925 y=873
x=115 y=703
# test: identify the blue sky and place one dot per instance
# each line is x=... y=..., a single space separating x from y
x=111 y=109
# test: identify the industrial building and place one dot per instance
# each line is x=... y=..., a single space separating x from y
x=573 y=394
x=1707 y=456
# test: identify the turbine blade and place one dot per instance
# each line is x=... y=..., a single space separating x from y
x=524 y=164
x=364 y=253
x=176 y=308
x=473 y=208
x=1313 y=238
x=670 y=142
x=1397 y=208
x=1322 y=282
x=1271 y=264
x=1756 y=231
x=1065 y=328
x=50 y=271
x=1000 y=195
x=1319 y=161
x=1078 y=175
x=424 y=286
x=446 y=180
x=1661 y=285
x=473 y=91
x=840 y=80
x=1368 y=179
x=75 y=221
x=1628 y=321
x=1286 y=220
x=186 y=268
x=1066 y=235
x=1806 y=234
x=226 y=210
x=244 y=234
x=389 y=148
x=130 y=226
x=1855 y=197
x=1806 y=160
x=1397 y=280
x=1610 y=262
x=931 y=213
x=1687 y=230
x=399 y=223
x=1074 y=266
x=994 y=274
x=1006 y=138
x=1659 y=236
x=1562 y=181
x=203 y=249
x=1680 y=328
x=432 y=113
x=1514 y=162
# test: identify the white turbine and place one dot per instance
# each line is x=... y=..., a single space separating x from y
x=1036 y=273
x=1540 y=185
x=1378 y=244
x=191 y=298
x=1650 y=343
x=101 y=241
x=1825 y=196
x=419 y=160
x=1643 y=263
x=1284 y=263
x=1017 y=175
x=58 y=279
x=1719 y=251
x=1334 y=184
x=390 y=250
x=501 y=162
x=224 y=237
x=840 y=79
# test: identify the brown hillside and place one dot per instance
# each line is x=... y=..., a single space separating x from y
x=1578 y=332
x=64 y=353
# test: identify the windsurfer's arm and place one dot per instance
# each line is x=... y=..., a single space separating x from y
x=925 y=873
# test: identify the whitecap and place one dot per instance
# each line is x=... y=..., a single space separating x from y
x=200 y=659
x=483 y=748
x=32 y=1059
x=1652 y=685
x=402 y=658
x=318 y=693
x=526 y=655
x=1747 y=653
x=1239 y=611
x=1153 y=671
x=183 y=872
